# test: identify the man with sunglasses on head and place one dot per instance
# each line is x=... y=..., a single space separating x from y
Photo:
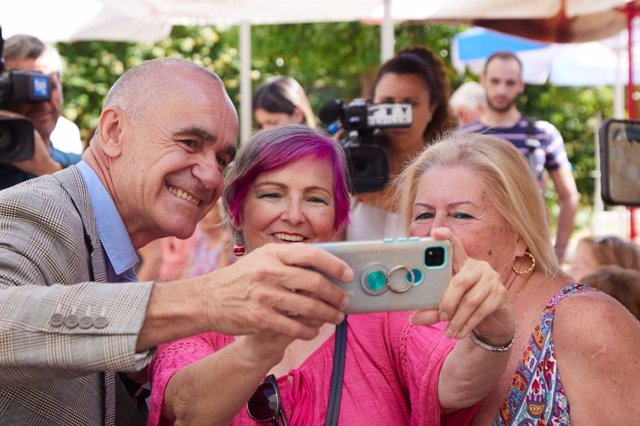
x=28 y=53
x=70 y=315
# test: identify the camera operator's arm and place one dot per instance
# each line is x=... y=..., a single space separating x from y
x=568 y=199
x=41 y=163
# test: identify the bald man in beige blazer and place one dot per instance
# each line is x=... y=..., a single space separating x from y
x=70 y=317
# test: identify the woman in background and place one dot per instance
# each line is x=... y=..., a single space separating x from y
x=593 y=252
x=417 y=76
x=280 y=101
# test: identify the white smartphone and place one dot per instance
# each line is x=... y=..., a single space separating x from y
x=394 y=274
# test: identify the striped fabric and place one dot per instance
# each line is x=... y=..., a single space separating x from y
x=551 y=153
x=51 y=262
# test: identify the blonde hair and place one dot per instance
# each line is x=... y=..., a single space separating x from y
x=506 y=178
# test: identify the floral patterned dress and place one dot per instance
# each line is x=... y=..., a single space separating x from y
x=536 y=395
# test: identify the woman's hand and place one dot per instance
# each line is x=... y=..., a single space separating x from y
x=475 y=299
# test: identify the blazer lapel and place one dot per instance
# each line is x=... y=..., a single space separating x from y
x=71 y=181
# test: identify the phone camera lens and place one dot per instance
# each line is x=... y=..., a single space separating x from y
x=434 y=257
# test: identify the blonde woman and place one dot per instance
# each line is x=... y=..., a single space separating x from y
x=575 y=359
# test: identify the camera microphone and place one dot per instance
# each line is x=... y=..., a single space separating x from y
x=331 y=111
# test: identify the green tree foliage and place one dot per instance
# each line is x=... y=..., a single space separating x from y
x=331 y=60
x=335 y=60
x=575 y=111
x=93 y=66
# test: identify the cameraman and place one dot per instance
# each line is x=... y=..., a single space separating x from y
x=30 y=54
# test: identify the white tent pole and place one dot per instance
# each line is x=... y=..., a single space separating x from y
x=387 y=41
x=598 y=204
x=245 y=80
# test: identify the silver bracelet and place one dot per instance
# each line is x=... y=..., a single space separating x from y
x=475 y=339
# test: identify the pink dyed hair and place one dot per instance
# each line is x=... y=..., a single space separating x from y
x=274 y=148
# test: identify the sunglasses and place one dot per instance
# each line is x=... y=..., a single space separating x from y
x=264 y=404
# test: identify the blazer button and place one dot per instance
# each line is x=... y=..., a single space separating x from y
x=85 y=322
x=100 y=322
x=56 y=320
x=71 y=321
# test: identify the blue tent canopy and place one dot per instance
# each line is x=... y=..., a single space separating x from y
x=477 y=43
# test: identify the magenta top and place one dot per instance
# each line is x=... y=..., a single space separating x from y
x=390 y=376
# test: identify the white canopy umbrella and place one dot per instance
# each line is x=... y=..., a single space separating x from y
x=74 y=20
x=80 y=20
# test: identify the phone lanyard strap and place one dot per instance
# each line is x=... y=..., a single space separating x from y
x=337 y=374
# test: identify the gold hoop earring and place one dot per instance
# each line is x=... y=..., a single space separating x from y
x=531 y=268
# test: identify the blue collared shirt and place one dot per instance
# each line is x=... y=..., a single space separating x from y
x=120 y=254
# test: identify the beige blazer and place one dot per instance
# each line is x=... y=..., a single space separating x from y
x=61 y=326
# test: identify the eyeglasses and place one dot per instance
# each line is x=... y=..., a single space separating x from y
x=264 y=404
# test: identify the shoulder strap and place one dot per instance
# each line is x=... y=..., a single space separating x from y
x=531 y=125
x=569 y=290
x=337 y=374
x=532 y=142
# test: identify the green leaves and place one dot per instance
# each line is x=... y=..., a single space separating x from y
x=574 y=111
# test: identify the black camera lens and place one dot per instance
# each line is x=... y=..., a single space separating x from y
x=360 y=167
x=5 y=138
x=16 y=139
x=434 y=257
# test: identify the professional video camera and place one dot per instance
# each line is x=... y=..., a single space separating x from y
x=16 y=87
x=363 y=142
x=619 y=142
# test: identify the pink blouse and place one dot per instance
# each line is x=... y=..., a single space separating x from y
x=390 y=377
